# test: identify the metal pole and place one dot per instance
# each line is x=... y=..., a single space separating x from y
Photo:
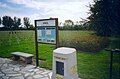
x=111 y=62
x=57 y=32
x=36 y=45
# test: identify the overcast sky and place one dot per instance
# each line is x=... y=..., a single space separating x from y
x=44 y=9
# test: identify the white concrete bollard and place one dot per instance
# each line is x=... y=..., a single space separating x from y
x=64 y=63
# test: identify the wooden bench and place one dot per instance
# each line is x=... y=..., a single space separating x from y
x=28 y=57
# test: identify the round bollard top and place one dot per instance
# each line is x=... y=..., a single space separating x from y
x=64 y=50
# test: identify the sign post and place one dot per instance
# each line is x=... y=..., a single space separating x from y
x=46 y=32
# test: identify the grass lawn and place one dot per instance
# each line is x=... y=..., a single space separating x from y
x=83 y=40
x=90 y=65
x=93 y=66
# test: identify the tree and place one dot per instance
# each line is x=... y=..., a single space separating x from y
x=32 y=27
x=104 y=18
x=7 y=22
x=0 y=21
x=69 y=22
x=68 y=25
x=17 y=22
x=26 y=22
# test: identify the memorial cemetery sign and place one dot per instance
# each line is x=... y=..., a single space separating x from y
x=46 y=31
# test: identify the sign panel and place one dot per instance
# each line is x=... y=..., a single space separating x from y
x=60 y=68
x=46 y=30
x=46 y=23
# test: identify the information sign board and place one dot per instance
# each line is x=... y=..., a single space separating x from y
x=46 y=30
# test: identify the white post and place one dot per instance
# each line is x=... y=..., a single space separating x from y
x=64 y=63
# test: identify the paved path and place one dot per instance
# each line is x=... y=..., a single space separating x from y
x=14 y=70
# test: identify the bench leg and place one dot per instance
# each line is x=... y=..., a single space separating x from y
x=28 y=60
x=16 y=57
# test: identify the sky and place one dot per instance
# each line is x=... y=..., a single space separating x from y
x=44 y=9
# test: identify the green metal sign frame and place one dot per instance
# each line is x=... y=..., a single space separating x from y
x=36 y=35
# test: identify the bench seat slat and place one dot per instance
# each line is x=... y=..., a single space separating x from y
x=22 y=54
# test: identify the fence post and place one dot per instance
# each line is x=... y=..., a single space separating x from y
x=111 y=60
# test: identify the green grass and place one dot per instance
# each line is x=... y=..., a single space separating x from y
x=83 y=40
x=19 y=41
x=45 y=54
x=93 y=66
x=90 y=65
